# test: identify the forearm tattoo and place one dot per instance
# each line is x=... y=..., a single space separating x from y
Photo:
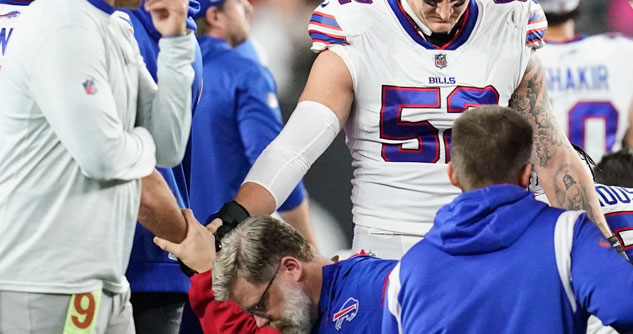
x=570 y=194
x=531 y=100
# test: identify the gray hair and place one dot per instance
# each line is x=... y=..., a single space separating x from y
x=253 y=251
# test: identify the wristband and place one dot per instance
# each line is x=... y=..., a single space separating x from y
x=231 y=214
x=615 y=243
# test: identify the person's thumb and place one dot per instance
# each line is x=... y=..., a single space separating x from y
x=166 y=245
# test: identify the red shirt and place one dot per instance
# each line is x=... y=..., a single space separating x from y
x=220 y=317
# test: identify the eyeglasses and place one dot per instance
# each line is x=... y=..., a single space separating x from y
x=260 y=308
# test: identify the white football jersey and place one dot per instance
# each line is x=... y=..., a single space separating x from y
x=409 y=92
x=10 y=13
x=589 y=84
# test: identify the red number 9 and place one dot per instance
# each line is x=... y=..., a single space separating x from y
x=88 y=311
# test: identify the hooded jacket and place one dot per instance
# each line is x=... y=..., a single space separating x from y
x=499 y=261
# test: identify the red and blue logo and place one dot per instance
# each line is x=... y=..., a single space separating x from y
x=348 y=312
x=89 y=86
x=10 y=15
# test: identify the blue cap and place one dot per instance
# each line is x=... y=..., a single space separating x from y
x=206 y=4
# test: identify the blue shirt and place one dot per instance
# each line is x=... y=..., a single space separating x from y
x=150 y=268
x=352 y=295
x=237 y=117
x=489 y=265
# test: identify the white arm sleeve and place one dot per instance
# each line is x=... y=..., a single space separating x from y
x=310 y=130
x=165 y=110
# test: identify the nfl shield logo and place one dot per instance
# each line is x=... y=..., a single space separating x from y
x=89 y=86
x=440 y=60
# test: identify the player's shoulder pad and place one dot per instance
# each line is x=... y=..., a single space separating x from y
x=524 y=14
x=336 y=21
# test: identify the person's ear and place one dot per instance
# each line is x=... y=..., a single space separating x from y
x=291 y=268
x=212 y=16
x=452 y=176
x=524 y=176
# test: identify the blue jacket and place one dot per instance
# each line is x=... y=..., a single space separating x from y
x=352 y=295
x=150 y=268
x=238 y=115
x=488 y=265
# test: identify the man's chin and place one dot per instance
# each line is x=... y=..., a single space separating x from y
x=440 y=28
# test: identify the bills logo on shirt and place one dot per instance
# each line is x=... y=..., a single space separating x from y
x=347 y=312
x=440 y=60
x=10 y=15
x=89 y=87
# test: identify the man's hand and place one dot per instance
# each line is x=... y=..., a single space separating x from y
x=197 y=251
x=169 y=16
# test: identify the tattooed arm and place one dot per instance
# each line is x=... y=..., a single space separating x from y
x=565 y=180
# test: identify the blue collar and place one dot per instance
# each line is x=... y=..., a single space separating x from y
x=102 y=5
x=211 y=45
x=468 y=24
x=16 y=2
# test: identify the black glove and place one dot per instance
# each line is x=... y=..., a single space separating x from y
x=615 y=243
x=231 y=214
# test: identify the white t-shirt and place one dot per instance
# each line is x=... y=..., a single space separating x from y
x=79 y=120
x=408 y=93
x=589 y=84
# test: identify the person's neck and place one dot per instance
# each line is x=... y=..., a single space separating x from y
x=314 y=280
x=561 y=32
x=220 y=34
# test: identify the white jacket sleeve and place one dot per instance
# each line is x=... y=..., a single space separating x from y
x=69 y=82
x=165 y=110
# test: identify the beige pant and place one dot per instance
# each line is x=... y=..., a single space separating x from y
x=382 y=243
x=38 y=313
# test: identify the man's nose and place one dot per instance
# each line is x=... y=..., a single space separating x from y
x=444 y=9
x=261 y=321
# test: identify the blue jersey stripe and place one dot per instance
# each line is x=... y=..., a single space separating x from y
x=536 y=17
x=325 y=38
x=532 y=37
x=325 y=19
